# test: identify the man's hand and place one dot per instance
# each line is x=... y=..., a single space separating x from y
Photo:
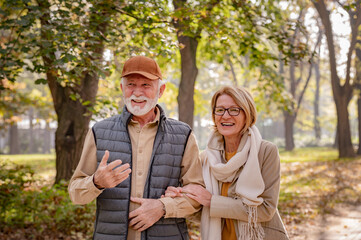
x=108 y=176
x=149 y=212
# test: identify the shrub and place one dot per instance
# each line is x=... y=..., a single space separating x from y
x=14 y=181
x=46 y=210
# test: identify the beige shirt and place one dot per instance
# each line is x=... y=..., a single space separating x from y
x=82 y=189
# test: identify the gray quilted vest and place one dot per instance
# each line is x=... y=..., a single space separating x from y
x=165 y=167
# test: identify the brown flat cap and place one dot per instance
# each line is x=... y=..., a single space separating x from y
x=144 y=66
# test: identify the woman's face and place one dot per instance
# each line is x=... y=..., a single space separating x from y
x=227 y=125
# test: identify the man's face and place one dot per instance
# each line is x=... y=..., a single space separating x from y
x=140 y=94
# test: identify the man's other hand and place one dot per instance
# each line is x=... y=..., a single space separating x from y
x=110 y=175
x=149 y=212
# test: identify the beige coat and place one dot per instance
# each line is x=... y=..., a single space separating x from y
x=232 y=207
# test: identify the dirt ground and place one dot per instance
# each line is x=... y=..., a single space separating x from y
x=344 y=223
x=327 y=203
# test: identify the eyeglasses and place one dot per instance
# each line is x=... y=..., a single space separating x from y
x=232 y=111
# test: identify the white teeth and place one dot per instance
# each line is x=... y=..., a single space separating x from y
x=227 y=124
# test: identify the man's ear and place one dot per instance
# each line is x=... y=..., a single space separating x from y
x=161 y=90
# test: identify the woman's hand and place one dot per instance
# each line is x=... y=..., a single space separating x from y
x=193 y=191
x=173 y=192
x=198 y=193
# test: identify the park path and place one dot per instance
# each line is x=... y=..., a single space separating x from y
x=343 y=224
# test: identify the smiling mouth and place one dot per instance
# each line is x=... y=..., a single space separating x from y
x=227 y=124
x=138 y=101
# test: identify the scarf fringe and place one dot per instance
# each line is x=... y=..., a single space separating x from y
x=251 y=230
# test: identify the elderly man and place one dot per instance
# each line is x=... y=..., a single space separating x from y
x=154 y=150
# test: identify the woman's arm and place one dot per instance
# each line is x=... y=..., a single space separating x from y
x=228 y=207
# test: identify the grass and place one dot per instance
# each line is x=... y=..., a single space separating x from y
x=42 y=164
x=309 y=154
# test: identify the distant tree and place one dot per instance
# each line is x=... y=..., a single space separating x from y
x=296 y=82
x=316 y=103
x=342 y=88
x=358 y=89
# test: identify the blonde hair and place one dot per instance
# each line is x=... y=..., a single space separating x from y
x=243 y=99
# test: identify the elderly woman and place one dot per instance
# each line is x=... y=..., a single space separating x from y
x=241 y=172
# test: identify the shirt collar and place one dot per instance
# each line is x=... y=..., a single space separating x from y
x=154 y=122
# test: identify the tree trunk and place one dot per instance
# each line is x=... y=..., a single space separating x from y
x=189 y=70
x=189 y=74
x=342 y=94
x=316 y=103
x=31 y=148
x=359 y=123
x=46 y=137
x=73 y=123
x=69 y=137
x=289 y=117
x=358 y=86
x=246 y=74
x=289 y=120
x=73 y=117
x=343 y=128
x=335 y=143
x=14 y=139
x=232 y=71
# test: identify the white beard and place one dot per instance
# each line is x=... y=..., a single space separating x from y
x=136 y=110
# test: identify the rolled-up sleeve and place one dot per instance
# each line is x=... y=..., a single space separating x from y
x=191 y=173
x=81 y=186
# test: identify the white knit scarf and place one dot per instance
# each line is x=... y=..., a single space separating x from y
x=249 y=186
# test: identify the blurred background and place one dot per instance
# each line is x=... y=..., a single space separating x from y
x=60 y=66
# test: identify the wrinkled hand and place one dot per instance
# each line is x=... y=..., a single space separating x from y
x=173 y=192
x=198 y=193
x=108 y=176
x=149 y=212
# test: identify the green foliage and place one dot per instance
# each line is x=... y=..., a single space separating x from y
x=169 y=99
x=18 y=97
x=13 y=102
x=64 y=37
x=252 y=35
x=45 y=209
x=14 y=180
x=271 y=91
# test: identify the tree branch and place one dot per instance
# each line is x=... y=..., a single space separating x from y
x=309 y=72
